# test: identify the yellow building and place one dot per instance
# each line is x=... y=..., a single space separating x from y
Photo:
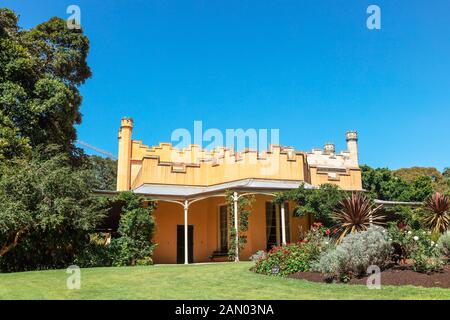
x=190 y=184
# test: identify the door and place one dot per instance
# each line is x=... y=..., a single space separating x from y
x=180 y=243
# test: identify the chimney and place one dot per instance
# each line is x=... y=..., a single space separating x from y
x=329 y=148
x=352 y=145
x=124 y=158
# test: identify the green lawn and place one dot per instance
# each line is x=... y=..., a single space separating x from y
x=202 y=281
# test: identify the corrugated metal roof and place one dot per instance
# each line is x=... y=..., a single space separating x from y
x=194 y=191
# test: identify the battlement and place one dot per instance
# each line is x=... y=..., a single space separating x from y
x=193 y=166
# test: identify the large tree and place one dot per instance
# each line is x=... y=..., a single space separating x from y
x=47 y=211
x=40 y=71
x=382 y=183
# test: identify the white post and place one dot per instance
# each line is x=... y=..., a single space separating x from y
x=283 y=225
x=186 y=256
x=235 y=203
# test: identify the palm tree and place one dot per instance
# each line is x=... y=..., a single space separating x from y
x=437 y=208
x=356 y=213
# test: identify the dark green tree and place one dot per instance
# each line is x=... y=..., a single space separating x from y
x=104 y=171
x=47 y=211
x=40 y=71
x=382 y=184
x=318 y=202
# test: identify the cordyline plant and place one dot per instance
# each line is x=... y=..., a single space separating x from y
x=356 y=213
x=437 y=208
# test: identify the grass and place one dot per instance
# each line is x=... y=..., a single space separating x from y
x=203 y=281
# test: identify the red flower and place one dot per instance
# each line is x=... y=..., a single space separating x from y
x=328 y=232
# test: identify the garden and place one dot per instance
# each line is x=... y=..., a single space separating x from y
x=405 y=245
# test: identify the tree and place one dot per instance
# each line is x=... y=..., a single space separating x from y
x=40 y=71
x=47 y=211
x=446 y=173
x=318 y=202
x=104 y=171
x=439 y=181
x=382 y=184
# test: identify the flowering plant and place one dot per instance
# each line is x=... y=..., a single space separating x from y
x=294 y=257
x=417 y=246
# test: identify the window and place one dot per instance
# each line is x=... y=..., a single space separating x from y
x=223 y=229
x=271 y=225
x=287 y=218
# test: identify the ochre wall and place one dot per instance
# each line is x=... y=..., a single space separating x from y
x=203 y=215
x=221 y=167
x=350 y=180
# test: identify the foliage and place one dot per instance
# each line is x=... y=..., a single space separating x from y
x=134 y=246
x=437 y=213
x=104 y=171
x=416 y=245
x=46 y=211
x=260 y=254
x=95 y=254
x=405 y=216
x=318 y=202
x=444 y=245
x=356 y=213
x=439 y=181
x=355 y=254
x=244 y=209
x=294 y=257
x=382 y=184
x=40 y=71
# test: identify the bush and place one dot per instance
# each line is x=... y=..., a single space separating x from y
x=94 y=255
x=355 y=254
x=418 y=246
x=294 y=257
x=444 y=245
x=136 y=229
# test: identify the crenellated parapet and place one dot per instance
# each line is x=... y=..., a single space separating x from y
x=193 y=166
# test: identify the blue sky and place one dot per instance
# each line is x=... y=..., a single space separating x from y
x=310 y=68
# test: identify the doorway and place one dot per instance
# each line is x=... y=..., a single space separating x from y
x=180 y=244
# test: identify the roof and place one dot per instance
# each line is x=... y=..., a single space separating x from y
x=183 y=191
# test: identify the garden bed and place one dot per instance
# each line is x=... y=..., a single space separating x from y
x=397 y=276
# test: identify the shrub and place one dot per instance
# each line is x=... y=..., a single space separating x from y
x=437 y=209
x=94 y=255
x=136 y=229
x=444 y=245
x=356 y=213
x=417 y=245
x=294 y=257
x=355 y=254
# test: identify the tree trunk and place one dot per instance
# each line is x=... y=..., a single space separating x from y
x=8 y=247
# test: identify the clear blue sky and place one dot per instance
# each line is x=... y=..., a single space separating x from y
x=310 y=68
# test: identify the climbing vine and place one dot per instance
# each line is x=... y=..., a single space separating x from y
x=244 y=210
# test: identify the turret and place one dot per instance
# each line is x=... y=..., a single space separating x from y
x=124 y=155
x=352 y=145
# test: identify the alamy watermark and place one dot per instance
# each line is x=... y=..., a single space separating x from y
x=373 y=22
x=374 y=279
x=73 y=281
x=74 y=20
x=236 y=141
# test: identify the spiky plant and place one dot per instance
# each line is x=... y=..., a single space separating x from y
x=356 y=213
x=437 y=209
